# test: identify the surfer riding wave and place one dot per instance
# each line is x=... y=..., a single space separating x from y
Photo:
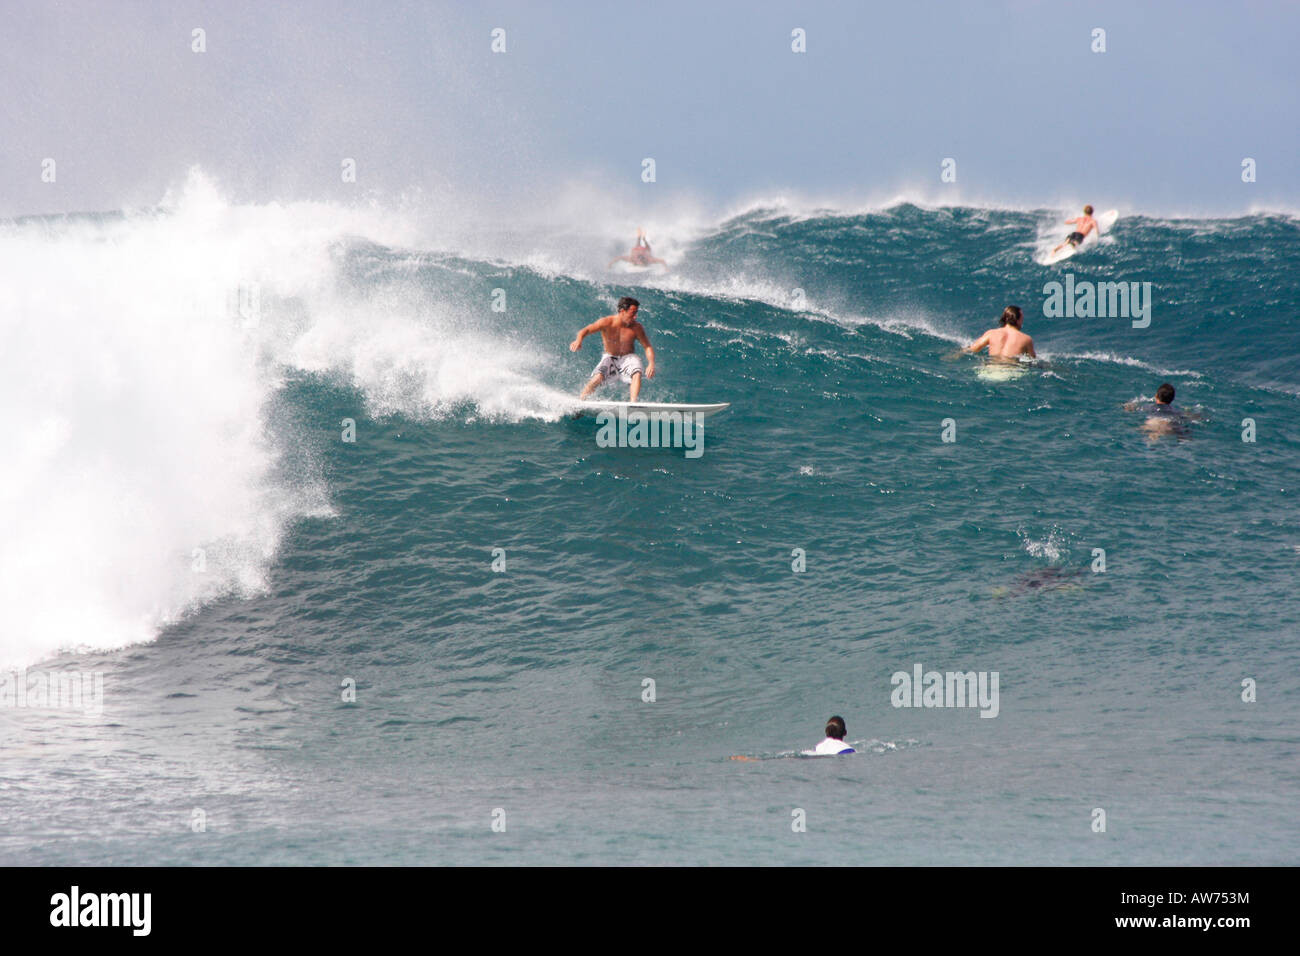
x=639 y=254
x=1085 y=223
x=619 y=333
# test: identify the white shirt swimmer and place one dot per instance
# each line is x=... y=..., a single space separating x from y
x=834 y=743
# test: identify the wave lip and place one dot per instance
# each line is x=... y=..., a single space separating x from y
x=147 y=477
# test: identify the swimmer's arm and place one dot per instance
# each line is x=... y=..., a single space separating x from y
x=592 y=329
x=649 y=350
x=1032 y=353
x=979 y=343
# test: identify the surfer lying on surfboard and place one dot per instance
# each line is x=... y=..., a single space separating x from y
x=833 y=744
x=1006 y=341
x=1085 y=223
x=639 y=255
x=620 y=333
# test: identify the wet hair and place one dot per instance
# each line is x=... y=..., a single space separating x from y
x=1011 y=315
x=627 y=302
x=1165 y=394
x=1087 y=210
x=835 y=728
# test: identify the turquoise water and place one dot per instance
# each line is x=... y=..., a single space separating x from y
x=521 y=690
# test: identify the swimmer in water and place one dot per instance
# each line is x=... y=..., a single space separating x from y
x=639 y=255
x=1006 y=341
x=832 y=745
x=834 y=742
x=1162 y=417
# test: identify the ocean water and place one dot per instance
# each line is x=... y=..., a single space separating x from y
x=184 y=526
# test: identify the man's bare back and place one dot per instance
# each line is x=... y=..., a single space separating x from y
x=1086 y=224
x=1006 y=341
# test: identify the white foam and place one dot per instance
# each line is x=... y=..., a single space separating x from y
x=1112 y=358
x=1050 y=547
x=136 y=400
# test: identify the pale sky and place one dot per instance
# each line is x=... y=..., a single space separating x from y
x=711 y=91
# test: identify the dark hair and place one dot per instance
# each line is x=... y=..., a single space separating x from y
x=1165 y=393
x=1087 y=210
x=1011 y=315
x=627 y=302
x=835 y=728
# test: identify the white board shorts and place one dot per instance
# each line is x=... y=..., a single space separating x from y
x=623 y=366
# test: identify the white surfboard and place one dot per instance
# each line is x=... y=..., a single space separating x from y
x=703 y=411
x=1001 y=371
x=1060 y=255
x=1104 y=223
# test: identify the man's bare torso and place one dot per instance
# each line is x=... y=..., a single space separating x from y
x=619 y=338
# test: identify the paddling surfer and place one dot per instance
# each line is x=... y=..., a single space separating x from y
x=639 y=254
x=1162 y=417
x=833 y=744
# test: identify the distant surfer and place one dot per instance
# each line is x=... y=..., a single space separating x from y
x=1085 y=224
x=1006 y=341
x=1162 y=417
x=620 y=333
x=832 y=745
x=639 y=255
x=834 y=742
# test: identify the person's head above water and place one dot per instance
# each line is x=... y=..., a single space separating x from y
x=1087 y=210
x=1165 y=394
x=627 y=302
x=835 y=728
x=1012 y=316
